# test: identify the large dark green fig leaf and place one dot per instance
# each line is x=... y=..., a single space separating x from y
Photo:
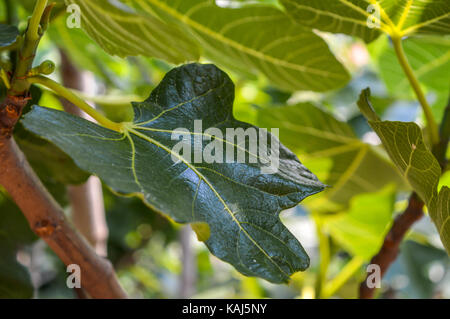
x=234 y=206
x=8 y=34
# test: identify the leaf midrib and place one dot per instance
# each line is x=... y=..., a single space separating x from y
x=252 y=52
x=202 y=177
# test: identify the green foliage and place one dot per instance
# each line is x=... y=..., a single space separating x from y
x=332 y=150
x=121 y=31
x=137 y=162
x=362 y=228
x=430 y=59
x=14 y=278
x=8 y=35
x=248 y=39
x=351 y=16
x=15 y=281
x=276 y=57
x=406 y=147
x=48 y=160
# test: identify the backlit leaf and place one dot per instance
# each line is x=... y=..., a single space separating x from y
x=362 y=228
x=405 y=145
x=332 y=151
x=121 y=31
x=258 y=38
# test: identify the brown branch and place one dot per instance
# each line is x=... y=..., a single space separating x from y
x=47 y=220
x=390 y=249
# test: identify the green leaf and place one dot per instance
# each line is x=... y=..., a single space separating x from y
x=54 y=168
x=331 y=149
x=238 y=202
x=362 y=228
x=405 y=145
x=85 y=53
x=8 y=35
x=442 y=216
x=15 y=281
x=13 y=224
x=351 y=17
x=257 y=38
x=429 y=58
x=121 y=31
x=48 y=160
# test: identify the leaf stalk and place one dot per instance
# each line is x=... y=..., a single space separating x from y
x=401 y=56
x=77 y=101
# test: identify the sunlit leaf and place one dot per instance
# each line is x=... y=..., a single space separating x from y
x=405 y=145
x=360 y=17
x=83 y=52
x=362 y=228
x=429 y=58
x=238 y=202
x=121 y=31
x=318 y=138
x=259 y=38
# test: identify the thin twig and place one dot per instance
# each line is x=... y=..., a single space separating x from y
x=390 y=249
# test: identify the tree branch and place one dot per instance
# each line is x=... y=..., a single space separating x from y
x=390 y=249
x=44 y=215
x=47 y=220
x=189 y=272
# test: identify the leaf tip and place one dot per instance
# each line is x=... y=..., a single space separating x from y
x=365 y=106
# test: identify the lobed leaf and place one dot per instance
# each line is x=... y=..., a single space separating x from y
x=121 y=31
x=405 y=145
x=429 y=58
x=257 y=38
x=238 y=202
x=15 y=280
x=404 y=17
